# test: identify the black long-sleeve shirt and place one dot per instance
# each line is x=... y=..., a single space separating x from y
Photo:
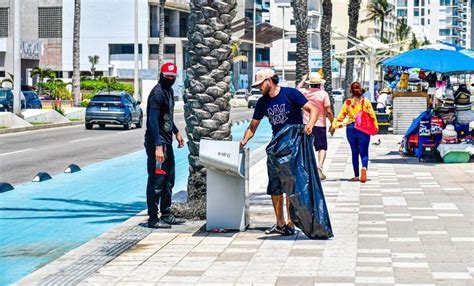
x=159 y=124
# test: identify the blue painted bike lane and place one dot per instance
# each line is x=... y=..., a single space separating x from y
x=39 y=222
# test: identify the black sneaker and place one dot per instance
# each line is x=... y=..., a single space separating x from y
x=275 y=229
x=158 y=223
x=171 y=219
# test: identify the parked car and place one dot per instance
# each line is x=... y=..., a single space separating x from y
x=46 y=96
x=241 y=94
x=6 y=100
x=338 y=93
x=114 y=107
x=254 y=96
x=32 y=100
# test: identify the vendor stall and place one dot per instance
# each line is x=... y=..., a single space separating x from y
x=444 y=123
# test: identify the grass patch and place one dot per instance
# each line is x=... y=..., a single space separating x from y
x=3 y=127
x=39 y=123
x=75 y=119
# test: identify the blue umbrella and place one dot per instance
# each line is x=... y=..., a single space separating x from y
x=443 y=61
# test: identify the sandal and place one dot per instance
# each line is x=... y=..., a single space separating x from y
x=363 y=175
x=355 y=179
x=287 y=230
x=275 y=229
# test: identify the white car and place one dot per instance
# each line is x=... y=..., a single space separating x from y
x=241 y=94
x=254 y=96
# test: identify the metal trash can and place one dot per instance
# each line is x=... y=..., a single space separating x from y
x=227 y=184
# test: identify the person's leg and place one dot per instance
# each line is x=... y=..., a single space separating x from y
x=168 y=182
x=277 y=201
x=151 y=196
x=321 y=157
x=320 y=145
x=289 y=221
x=354 y=143
x=364 y=142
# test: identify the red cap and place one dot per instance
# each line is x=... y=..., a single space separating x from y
x=169 y=69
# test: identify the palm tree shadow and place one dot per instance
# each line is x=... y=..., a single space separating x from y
x=100 y=212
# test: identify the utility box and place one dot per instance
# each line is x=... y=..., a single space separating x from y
x=227 y=184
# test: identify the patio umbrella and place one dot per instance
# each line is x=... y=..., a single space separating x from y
x=437 y=58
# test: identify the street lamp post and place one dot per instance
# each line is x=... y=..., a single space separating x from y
x=254 y=49
x=283 y=44
x=17 y=60
x=136 y=94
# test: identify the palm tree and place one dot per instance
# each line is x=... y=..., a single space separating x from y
x=353 y=11
x=300 y=14
x=76 y=56
x=42 y=75
x=378 y=10
x=161 y=46
x=402 y=31
x=93 y=60
x=340 y=61
x=414 y=44
x=326 y=48
x=206 y=95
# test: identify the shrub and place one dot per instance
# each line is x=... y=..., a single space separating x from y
x=85 y=102
x=58 y=109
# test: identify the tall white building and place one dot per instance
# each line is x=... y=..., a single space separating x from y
x=439 y=20
x=283 y=51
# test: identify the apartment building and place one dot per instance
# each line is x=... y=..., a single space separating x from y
x=283 y=51
x=439 y=20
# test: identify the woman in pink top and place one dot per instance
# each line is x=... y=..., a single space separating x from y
x=320 y=99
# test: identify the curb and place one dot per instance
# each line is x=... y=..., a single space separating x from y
x=45 y=126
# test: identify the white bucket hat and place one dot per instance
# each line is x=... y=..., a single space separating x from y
x=315 y=79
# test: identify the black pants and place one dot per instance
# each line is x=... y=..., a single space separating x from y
x=159 y=187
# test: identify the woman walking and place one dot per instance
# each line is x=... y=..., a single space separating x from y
x=358 y=140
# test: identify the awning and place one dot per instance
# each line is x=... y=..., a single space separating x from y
x=265 y=34
x=178 y=6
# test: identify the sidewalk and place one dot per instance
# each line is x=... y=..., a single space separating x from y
x=410 y=224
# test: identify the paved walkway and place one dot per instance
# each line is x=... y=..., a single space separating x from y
x=410 y=224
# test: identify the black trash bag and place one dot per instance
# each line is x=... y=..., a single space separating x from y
x=292 y=167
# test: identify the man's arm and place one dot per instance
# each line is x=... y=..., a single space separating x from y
x=329 y=114
x=179 y=138
x=313 y=116
x=249 y=132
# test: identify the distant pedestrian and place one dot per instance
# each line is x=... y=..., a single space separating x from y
x=282 y=106
x=383 y=100
x=158 y=144
x=358 y=140
x=320 y=99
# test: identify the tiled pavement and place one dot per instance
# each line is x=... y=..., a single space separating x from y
x=410 y=224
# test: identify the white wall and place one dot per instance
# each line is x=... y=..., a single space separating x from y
x=102 y=23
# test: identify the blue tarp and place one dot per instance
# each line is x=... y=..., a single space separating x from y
x=443 y=61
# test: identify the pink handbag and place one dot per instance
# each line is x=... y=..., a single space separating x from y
x=365 y=123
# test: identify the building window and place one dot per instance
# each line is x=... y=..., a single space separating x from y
x=154 y=49
x=293 y=40
x=444 y=32
x=444 y=2
x=416 y=12
x=50 y=22
x=402 y=3
x=123 y=49
x=3 y=22
x=401 y=13
x=292 y=22
x=422 y=21
x=170 y=49
x=291 y=56
x=154 y=22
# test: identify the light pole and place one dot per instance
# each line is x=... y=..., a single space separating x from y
x=17 y=60
x=136 y=95
x=283 y=53
x=254 y=49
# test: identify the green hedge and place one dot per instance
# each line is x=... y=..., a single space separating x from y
x=96 y=85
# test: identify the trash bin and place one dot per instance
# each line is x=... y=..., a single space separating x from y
x=227 y=184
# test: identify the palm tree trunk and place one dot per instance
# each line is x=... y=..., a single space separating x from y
x=207 y=93
x=300 y=13
x=76 y=56
x=326 y=48
x=161 y=46
x=353 y=12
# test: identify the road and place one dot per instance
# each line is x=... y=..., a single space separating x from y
x=23 y=155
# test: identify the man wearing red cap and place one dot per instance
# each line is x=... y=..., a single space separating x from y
x=158 y=145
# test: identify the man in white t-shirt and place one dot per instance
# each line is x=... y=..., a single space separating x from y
x=320 y=99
